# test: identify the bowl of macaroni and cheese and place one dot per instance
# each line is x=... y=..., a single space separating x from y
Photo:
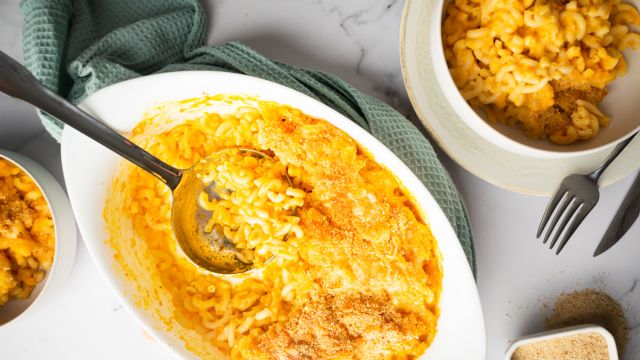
x=543 y=78
x=353 y=256
x=37 y=238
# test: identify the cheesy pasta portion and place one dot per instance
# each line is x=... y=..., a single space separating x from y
x=542 y=65
x=27 y=235
x=357 y=276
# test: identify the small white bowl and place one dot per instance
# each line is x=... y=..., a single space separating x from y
x=65 y=243
x=568 y=331
x=618 y=104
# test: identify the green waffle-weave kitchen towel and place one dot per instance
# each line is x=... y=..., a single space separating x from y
x=76 y=47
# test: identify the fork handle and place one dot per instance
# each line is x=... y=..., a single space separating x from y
x=595 y=175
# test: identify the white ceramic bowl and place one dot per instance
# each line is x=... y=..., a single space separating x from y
x=65 y=244
x=619 y=104
x=511 y=170
x=89 y=168
x=573 y=330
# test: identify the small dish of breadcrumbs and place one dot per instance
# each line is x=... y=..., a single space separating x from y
x=588 y=342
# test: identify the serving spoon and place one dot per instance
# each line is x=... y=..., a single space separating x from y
x=209 y=250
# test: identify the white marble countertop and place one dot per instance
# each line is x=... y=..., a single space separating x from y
x=357 y=40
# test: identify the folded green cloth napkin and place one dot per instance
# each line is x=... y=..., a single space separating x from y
x=76 y=47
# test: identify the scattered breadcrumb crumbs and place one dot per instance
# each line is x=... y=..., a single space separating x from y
x=590 y=306
x=588 y=346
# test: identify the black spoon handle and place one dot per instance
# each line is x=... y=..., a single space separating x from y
x=17 y=81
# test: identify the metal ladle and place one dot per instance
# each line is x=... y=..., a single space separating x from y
x=210 y=250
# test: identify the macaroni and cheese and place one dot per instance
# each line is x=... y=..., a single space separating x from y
x=357 y=276
x=256 y=205
x=26 y=233
x=539 y=64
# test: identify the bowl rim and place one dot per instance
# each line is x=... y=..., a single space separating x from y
x=470 y=117
x=298 y=100
x=566 y=331
x=69 y=231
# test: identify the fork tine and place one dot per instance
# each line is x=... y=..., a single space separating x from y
x=582 y=214
x=557 y=216
x=565 y=220
x=550 y=207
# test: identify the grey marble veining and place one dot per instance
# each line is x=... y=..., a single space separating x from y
x=357 y=40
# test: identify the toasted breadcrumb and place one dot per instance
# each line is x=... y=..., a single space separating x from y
x=591 y=346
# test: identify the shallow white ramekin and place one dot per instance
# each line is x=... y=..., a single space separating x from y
x=568 y=331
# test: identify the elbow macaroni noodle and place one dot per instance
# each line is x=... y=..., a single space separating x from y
x=511 y=58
